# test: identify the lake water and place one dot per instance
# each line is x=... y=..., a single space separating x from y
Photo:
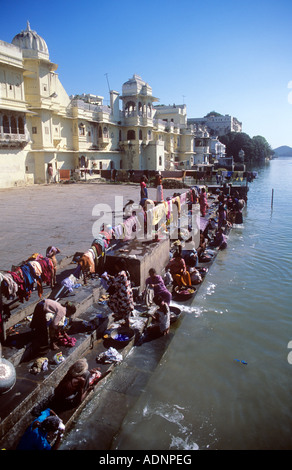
x=201 y=396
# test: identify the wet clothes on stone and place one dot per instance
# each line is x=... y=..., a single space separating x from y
x=121 y=299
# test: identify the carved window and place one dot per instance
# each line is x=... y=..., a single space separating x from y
x=130 y=108
x=13 y=125
x=105 y=132
x=131 y=135
x=20 y=126
x=6 y=126
x=81 y=129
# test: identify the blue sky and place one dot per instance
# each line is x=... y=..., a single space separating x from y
x=234 y=57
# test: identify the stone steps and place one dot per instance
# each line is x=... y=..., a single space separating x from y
x=16 y=405
x=31 y=393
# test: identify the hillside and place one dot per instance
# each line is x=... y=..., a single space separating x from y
x=283 y=151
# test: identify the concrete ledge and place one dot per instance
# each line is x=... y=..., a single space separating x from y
x=140 y=257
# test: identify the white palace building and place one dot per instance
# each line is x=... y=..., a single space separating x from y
x=41 y=126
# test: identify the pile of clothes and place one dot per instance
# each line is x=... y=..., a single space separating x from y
x=20 y=281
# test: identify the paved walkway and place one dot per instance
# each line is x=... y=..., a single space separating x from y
x=35 y=217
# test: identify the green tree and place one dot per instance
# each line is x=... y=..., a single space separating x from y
x=256 y=149
x=261 y=149
x=236 y=141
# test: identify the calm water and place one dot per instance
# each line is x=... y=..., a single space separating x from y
x=199 y=397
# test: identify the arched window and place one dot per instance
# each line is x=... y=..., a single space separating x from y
x=6 y=127
x=131 y=135
x=82 y=161
x=130 y=108
x=140 y=134
x=81 y=129
x=13 y=125
x=20 y=125
x=105 y=132
x=140 y=108
x=160 y=161
x=149 y=110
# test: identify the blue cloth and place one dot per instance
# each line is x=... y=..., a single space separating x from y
x=35 y=439
x=28 y=277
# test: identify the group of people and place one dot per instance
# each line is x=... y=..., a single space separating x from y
x=144 y=189
x=49 y=318
x=46 y=431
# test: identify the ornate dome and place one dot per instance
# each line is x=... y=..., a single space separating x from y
x=30 y=42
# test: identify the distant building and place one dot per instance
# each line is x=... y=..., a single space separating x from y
x=42 y=127
x=218 y=125
x=217 y=149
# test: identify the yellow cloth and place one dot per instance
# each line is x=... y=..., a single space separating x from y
x=159 y=212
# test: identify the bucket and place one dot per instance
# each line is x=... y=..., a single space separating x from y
x=121 y=336
x=7 y=376
x=184 y=293
x=174 y=313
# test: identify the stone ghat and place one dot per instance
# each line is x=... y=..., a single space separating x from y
x=32 y=393
x=88 y=325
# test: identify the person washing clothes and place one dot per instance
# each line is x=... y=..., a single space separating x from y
x=48 y=322
x=37 y=435
x=161 y=320
x=155 y=282
x=162 y=315
x=219 y=240
x=178 y=270
x=75 y=386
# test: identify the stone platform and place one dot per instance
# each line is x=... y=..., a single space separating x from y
x=88 y=325
x=140 y=257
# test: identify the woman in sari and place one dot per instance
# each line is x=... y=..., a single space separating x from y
x=178 y=270
x=203 y=202
x=156 y=282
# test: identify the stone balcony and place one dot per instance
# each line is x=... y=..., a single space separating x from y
x=13 y=140
x=103 y=141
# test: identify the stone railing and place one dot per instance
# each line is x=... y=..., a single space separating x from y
x=13 y=140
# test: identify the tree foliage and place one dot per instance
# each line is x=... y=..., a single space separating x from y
x=213 y=113
x=256 y=149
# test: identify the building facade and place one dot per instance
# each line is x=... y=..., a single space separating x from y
x=41 y=126
x=218 y=125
